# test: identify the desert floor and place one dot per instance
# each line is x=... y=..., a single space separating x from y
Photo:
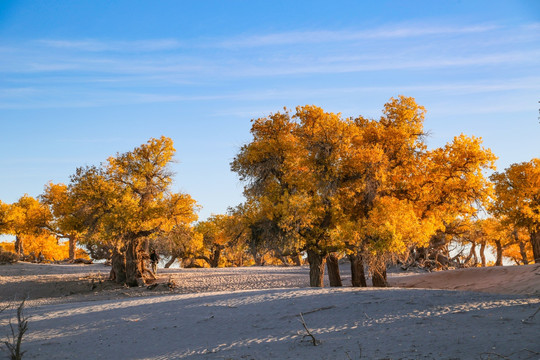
x=254 y=313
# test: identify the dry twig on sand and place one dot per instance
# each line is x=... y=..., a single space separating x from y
x=313 y=339
x=13 y=344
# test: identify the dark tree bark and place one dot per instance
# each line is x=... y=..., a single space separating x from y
x=357 y=270
x=316 y=268
x=216 y=255
x=72 y=243
x=499 y=249
x=535 y=242
x=332 y=264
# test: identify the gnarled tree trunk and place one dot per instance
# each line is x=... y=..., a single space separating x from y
x=378 y=274
x=357 y=270
x=332 y=264
x=118 y=267
x=134 y=270
x=316 y=268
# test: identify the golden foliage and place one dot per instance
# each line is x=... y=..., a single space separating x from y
x=518 y=194
x=329 y=183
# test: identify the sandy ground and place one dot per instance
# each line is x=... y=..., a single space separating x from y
x=253 y=313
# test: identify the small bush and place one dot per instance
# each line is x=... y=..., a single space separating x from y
x=7 y=257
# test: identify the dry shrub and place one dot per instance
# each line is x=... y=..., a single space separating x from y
x=7 y=257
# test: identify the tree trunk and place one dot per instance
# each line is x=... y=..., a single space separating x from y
x=170 y=262
x=378 y=276
x=535 y=242
x=332 y=264
x=118 y=267
x=71 y=242
x=19 y=248
x=472 y=254
x=134 y=272
x=482 y=253
x=357 y=270
x=523 y=253
x=214 y=258
x=297 y=259
x=316 y=268
x=498 y=247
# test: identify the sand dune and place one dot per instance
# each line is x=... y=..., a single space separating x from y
x=495 y=279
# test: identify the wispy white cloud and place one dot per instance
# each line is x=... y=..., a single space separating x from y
x=91 y=73
x=117 y=46
x=310 y=37
x=82 y=98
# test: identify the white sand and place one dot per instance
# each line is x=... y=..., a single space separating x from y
x=242 y=314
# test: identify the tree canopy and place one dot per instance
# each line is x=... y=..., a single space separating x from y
x=328 y=183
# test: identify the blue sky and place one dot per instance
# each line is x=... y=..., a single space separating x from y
x=83 y=80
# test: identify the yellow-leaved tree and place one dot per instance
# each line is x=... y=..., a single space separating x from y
x=127 y=202
x=24 y=218
x=324 y=184
x=64 y=222
x=517 y=200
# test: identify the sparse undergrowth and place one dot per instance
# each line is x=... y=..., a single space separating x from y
x=7 y=257
x=17 y=331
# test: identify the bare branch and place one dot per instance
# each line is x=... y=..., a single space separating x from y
x=313 y=339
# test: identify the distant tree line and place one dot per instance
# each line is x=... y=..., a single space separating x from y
x=318 y=187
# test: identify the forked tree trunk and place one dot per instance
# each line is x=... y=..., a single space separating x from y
x=316 y=268
x=499 y=249
x=357 y=270
x=523 y=253
x=332 y=264
x=535 y=242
